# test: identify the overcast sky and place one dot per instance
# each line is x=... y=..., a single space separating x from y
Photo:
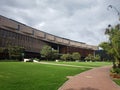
x=79 y=20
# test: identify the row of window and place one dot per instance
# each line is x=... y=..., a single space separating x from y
x=13 y=35
x=16 y=39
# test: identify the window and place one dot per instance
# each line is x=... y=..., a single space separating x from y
x=0 y=33
x=18 y=27
x=3 y=33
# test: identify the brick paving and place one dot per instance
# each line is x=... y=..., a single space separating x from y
x=94 y=79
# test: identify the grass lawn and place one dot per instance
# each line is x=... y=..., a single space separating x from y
x=34 y=76
x=85 y=64
x=117 y=81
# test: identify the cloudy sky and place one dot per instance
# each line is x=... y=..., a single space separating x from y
x=79 y=20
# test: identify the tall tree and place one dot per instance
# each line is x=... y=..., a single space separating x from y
x=66 y=57
x=113 y=45
x=46 y=52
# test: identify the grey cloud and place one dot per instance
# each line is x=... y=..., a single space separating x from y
x=79 y=20
x=23 y=4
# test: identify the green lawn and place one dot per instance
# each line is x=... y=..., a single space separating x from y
x=33 y=76
x=85 y=64
x=117 y=81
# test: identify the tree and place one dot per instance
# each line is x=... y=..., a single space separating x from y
x=96 y=57
x=113 y=45
x=2 y=49
x=49 y=53
x=55 y=54
x=93 y=58
x=46 y=52
x=66 y=57
x=3 y=53
x=15 y=52
x=107 y=46
x=87 y=58
x=115 y=40
x=76 y=56
x=90 y=57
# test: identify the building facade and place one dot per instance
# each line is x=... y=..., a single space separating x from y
x=14 y=33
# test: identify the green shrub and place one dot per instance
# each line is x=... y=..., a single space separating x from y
x=55 y=54
x=49 y=53
x=46 y=52
x=115 y=70
x=90 y=57
x=93 y=58
x=76 y=56
x=66 y=57
x=96 y=57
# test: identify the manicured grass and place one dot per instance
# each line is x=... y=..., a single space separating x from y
x=33 y=76
x=117 y=81
x=85 y=64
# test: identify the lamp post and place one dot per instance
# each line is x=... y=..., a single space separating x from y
x=110 y=28
x=118 y=13
x=113 y=7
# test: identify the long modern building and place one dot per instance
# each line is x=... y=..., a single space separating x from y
x=15 y=33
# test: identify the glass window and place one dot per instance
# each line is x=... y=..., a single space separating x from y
x=6 y=34
x=10 y=34
x=3 y=33
x=0 y=33
x=3 y=42
x=20 y=37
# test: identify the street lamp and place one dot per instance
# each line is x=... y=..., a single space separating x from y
x=110 y=28
x=113 y=7
x=118 y=13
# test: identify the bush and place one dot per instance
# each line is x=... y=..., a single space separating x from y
x=46 y=52
x=115 y=70
x=66 y=57
x=90 y=57
x=55 y=55
x=49 y=53
x=97 y=58
x=76 y=56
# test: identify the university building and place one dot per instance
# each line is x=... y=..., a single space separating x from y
x=14 y=33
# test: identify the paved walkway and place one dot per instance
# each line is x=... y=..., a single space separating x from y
x=94 y=79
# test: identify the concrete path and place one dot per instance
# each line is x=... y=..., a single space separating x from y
x=94 y=79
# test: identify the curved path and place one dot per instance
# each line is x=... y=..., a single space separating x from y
x=94 y=79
